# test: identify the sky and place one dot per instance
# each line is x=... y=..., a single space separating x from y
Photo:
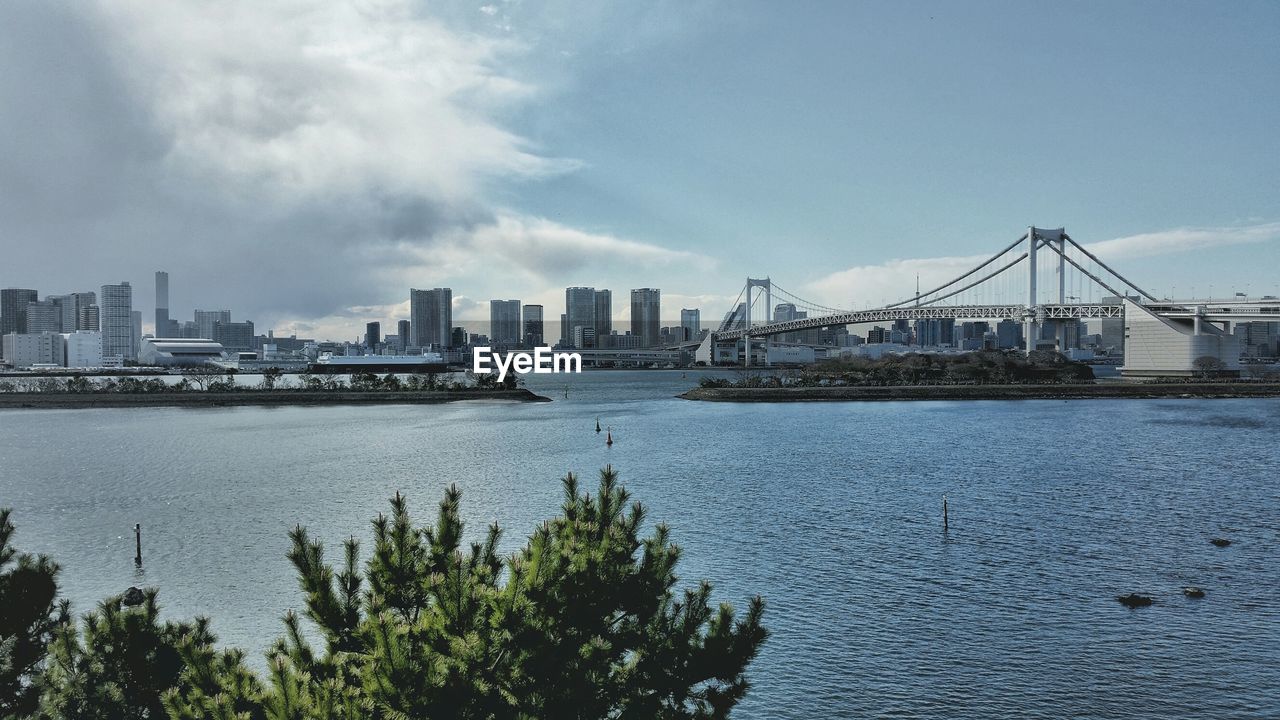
x=304 y=164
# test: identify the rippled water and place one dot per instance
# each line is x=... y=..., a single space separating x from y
x=831 y=511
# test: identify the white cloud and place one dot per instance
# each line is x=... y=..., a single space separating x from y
x=1177 y=240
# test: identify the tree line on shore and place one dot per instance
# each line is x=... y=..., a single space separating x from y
x=909 y=369
x=584 y=621
x=214 y=378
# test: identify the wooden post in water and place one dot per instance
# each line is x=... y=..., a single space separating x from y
x=137 y=536
x=944 y=513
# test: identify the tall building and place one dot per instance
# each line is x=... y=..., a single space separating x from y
x=580 y=313
x=534 y=329
x=403 y=329
x=504 y=323
x=691 y=321
x=69 y=309
x=165 y=327
x=1008 y=334
x=135 y=330
x=431 y=317
x=604 y=313
x=207 y=320
x=115 y=320
x=234 y=336
x=646 y=315
x=372 y=335
x=43 y=316
x=13 y=309
x=89 y=318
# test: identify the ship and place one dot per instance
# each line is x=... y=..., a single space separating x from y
x=427 y=362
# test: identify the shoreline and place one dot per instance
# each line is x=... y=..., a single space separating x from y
x=1145 y=391
x=271 y=398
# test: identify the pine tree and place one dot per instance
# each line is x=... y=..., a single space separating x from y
x=30 y=613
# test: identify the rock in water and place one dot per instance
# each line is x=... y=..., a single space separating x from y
x=1134 y=600
x=133 y=597
x=1220 y=542
x=1193 y=592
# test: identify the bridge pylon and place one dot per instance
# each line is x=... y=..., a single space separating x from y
x=767 y=286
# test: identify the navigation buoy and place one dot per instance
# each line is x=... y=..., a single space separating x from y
x=597 y=424
x=609 y=438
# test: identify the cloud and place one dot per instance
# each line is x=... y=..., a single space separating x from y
x=301 y=163
x=1178 y=240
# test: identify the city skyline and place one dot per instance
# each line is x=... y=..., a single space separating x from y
x=715 y=143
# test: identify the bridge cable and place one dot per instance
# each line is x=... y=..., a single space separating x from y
x=1091 y=275
x=1120 y=277
x=993 y=258
x=994 y=273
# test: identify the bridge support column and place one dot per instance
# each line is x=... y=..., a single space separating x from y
x=1031 y=329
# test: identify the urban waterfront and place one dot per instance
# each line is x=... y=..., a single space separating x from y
x=832 y=512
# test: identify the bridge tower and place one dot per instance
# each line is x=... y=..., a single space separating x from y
x=1033 y=315
x=767 y=286
x=1031 y=328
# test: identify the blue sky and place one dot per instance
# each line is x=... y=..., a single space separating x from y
x=306 y=164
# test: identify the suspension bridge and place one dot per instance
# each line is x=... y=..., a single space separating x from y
x=1044 y=280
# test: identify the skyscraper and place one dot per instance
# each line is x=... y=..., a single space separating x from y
x=13 y=309
x=534 y=328
x=504 y=322
x=646 y=311
x=691 y=321
x=115 y=320
x=135 y=330
x=431 y=317
x=89 y=317
x=372 y=335
x=43 y=316
x=403 y=330
x=604 y=314
x=164 y=326
x=580 y=313
x=69 y=308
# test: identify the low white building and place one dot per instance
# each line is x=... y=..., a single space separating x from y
x=1156 y=346
x=82 y=349
x=163 y=352
x=22 y=350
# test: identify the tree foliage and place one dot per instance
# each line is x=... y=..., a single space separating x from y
x=30 y=614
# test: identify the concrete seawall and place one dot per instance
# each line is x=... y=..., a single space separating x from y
x=986 y=392
x=257 y=397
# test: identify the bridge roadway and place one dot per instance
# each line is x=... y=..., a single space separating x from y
x=1209 y=311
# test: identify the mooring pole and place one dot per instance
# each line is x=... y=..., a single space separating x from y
x=944 y=513
x=137 y=537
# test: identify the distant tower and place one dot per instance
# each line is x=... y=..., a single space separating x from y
x=431 y=317
x=372 y=335
x=402 y=331
x=534 y=328
x=162 y=304
x=646 y=309
x=504 y=322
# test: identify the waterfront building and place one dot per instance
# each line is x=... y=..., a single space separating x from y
x=164 y=352
x=372 y=335
x=82 y=349
x=875 y=335
x=579 y=313
x=1160 y=346
x=1008 y=334
x=534 y=328
x=70 y=307
x=135 y=329
x=234 y=336
x=115 y=321
x=22 y=350
x=604 y=313
x=431 y=318
x=43 y=316
x=646 y=315
x=13 y=309
x=403 y=333
x=691 y=321
x=504 y=323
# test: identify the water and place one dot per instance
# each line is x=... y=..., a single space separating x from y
x=831 y=511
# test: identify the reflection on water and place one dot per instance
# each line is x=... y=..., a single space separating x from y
x=831 y=511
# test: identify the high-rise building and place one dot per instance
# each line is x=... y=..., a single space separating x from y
x=604 y=313
x=504 y=323
x=69 y=307
x=43 y=316
x=115 y=320
x=580 y=313
x=646 y=315
x=372 y=335
x=207 y=320
x=691 y=321
x=165 y=327
x=403 y=329
x=13 y=310
x=431 y=317
x=1008 y=334
x=534 y=329
x=875 y=335
x=135 y=330
x=89 y=318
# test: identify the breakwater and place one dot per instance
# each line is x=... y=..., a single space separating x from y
x=257 y=397
x=986 y=392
